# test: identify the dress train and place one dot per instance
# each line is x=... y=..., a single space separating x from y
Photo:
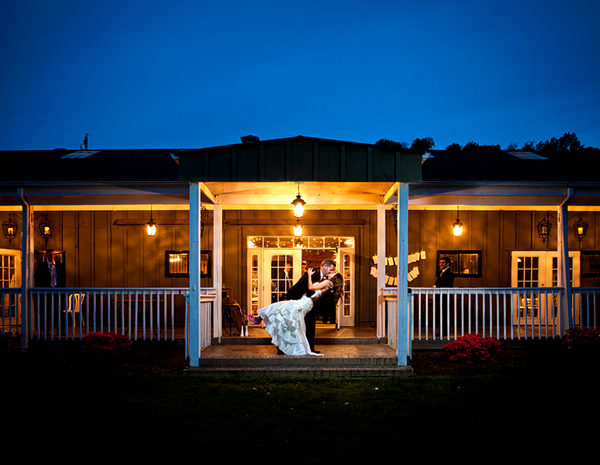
x=284 y=321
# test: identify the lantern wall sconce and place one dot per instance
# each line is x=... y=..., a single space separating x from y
x=298 y=205
x=457 y=226
x=46 y=228
x=10 y=228
x=298 y=229
x=151 y=225
x=580 y=228
x=544 y=227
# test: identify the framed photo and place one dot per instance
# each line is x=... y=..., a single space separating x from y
x=177 y=264
x=464 y=263
x=206 y=264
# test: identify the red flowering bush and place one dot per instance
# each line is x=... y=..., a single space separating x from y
x=472 y=348
x=583 y=340
x=105 y=344
x=10 y=343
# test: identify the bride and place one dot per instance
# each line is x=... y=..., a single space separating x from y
x=284 y=320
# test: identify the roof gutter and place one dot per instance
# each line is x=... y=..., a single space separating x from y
x=569 y=197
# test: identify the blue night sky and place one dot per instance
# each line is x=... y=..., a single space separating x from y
x=190 y=74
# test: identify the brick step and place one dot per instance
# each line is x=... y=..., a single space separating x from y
x=318 y=340
x=303 y=372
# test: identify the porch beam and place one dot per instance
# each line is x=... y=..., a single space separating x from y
x=402 y=289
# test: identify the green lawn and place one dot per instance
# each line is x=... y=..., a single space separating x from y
x=82 y=416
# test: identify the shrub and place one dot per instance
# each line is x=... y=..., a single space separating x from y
x=10 y=343
x=582 y=340
x=472 y=348
x=105 y=344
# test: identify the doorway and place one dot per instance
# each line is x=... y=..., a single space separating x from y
x=10 y=277
x=535 y=269
x=273 y=269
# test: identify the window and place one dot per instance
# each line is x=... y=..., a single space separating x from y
x=177 y=264
x=465 y=263
x=590 y=264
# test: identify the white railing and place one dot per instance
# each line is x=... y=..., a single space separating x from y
x=10 y=310
x=586 y=307
x=137 y=313
x=502 y=313
x=205 y=319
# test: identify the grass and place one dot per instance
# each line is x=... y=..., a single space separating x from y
x=139 y=416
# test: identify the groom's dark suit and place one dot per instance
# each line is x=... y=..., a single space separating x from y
x=296 y=293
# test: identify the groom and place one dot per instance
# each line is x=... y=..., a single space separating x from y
x=301 y=288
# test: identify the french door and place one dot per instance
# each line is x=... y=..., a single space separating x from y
x=345 y=308
x=538 y=270
x=281 y=269
x=272 y=271
x=10 y=277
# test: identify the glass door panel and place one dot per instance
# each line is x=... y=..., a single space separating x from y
x=282 y=268
x=538 y=270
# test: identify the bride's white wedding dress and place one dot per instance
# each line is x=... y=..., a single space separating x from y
x=284 y=321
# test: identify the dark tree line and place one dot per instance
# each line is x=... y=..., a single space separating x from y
x=567 y=144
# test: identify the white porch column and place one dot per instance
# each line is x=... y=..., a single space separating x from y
x=218 y=270
x=381 y=317
x=26 y=267
x=403 y=274
x=195 y=291
x=564 y=276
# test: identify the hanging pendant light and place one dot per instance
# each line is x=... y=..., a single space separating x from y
x=298 y=205
x=151 y=225
x=298 y=229
x=457 y=227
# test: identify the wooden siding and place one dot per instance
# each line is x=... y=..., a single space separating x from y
x=102 y=254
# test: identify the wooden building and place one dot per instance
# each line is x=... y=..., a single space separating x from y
x=98 y=202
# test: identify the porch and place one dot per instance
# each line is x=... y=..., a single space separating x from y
x=163 y=314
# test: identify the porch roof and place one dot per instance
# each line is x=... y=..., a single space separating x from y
x=329 y=173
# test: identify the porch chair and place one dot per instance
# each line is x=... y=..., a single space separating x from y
x=74 y=307
x=232 y=311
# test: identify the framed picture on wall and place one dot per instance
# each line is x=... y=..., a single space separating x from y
x=177 y=264
x=39 y=257
x=206 y=264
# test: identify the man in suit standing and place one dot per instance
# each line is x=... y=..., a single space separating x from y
x=301 y=287
x=444 y=279
x=51 y=273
